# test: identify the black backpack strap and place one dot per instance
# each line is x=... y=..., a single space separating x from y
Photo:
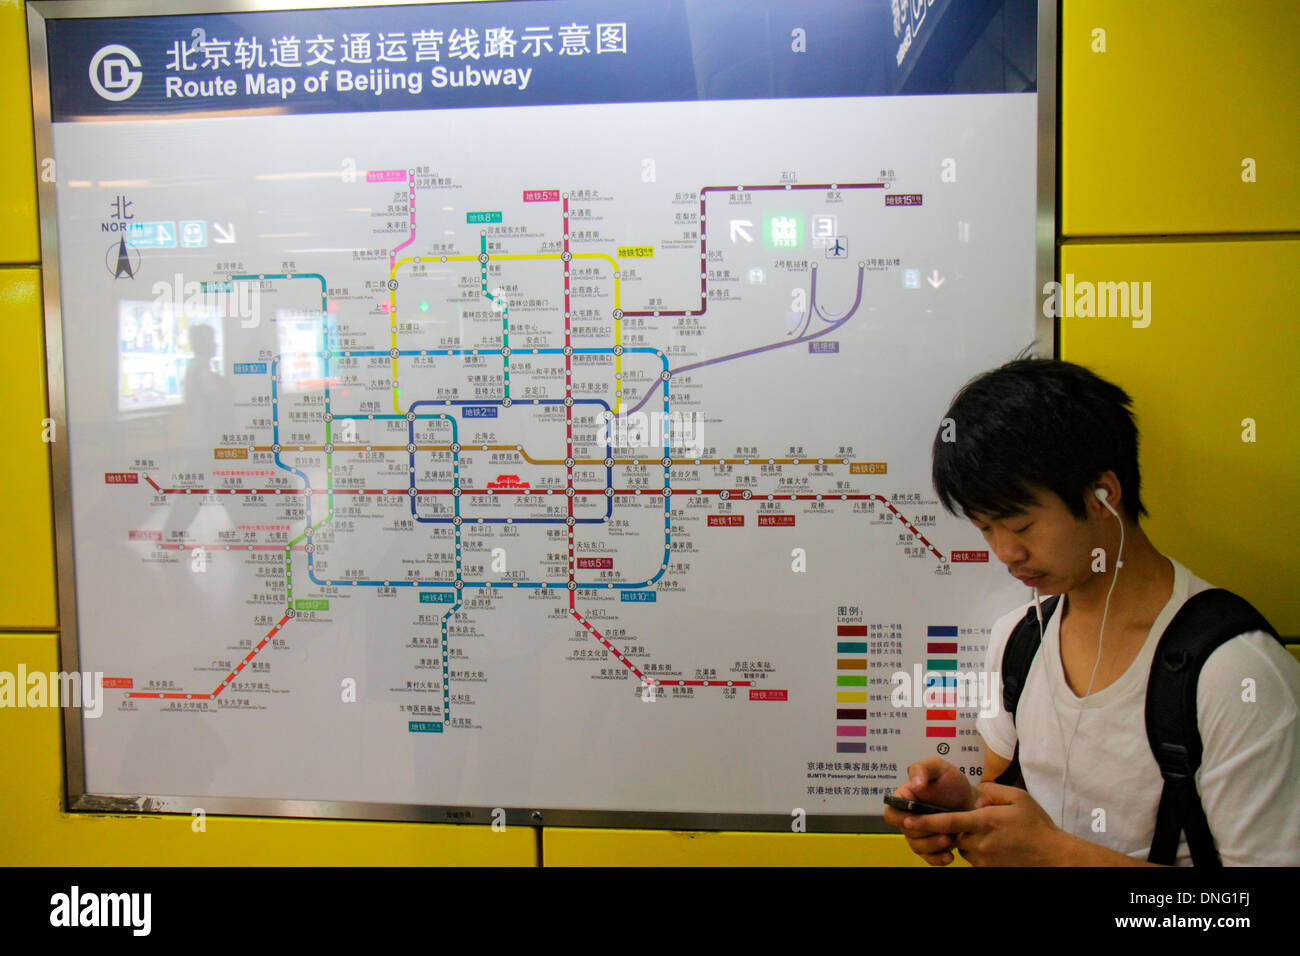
x=1017 y=657
x=1204 y=622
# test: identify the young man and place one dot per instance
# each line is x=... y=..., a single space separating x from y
x=1032 y=447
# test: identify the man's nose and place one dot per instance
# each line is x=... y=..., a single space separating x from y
x=1008 y=548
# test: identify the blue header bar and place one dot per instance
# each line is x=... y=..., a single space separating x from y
x=510 y=53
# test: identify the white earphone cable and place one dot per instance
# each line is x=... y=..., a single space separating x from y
x=1065 y=770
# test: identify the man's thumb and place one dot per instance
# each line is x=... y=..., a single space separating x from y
x=923 y=771
x=995 y=794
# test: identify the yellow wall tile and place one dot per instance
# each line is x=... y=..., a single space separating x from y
x=562 y=846
x=27 y=589
x=1154 y=130
x=1220 y=348
x=20 y=237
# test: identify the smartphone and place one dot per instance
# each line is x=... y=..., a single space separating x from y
x=916 y=806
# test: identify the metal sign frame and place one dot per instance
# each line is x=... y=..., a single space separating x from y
x=78 y=799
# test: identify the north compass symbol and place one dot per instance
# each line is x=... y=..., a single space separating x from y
x=122 y=260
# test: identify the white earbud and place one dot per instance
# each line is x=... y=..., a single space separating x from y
x=1101 y=495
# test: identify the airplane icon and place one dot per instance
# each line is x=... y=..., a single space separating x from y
x=839 y=250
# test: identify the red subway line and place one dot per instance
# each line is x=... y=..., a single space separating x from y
x=148 y=695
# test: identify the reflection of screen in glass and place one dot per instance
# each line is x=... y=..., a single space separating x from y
x=155 y=349
x=301 y=365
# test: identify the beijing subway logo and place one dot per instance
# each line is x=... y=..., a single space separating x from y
x=115 y=72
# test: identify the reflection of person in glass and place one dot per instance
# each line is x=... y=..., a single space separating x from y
x=208 y=400
x=208 y=396
x=201 y=382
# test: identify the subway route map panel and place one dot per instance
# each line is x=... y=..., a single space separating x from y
x=527 y=405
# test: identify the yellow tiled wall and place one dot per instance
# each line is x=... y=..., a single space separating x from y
x=1215 y=363
x=1155 y=129
x=1153 y=134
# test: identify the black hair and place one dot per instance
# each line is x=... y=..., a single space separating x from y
x=1035 y=423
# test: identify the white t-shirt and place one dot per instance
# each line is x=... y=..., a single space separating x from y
x=1249 y=778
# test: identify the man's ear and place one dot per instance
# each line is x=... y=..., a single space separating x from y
x=1105 y=491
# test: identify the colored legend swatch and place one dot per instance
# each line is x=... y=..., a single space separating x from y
x=851 y=690
x=941 y=720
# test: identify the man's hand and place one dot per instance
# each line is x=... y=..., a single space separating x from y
x=1007 y=827
x=932 y=780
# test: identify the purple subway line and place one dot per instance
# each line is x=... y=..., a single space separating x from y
x=817 y=310
x=775 y=345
